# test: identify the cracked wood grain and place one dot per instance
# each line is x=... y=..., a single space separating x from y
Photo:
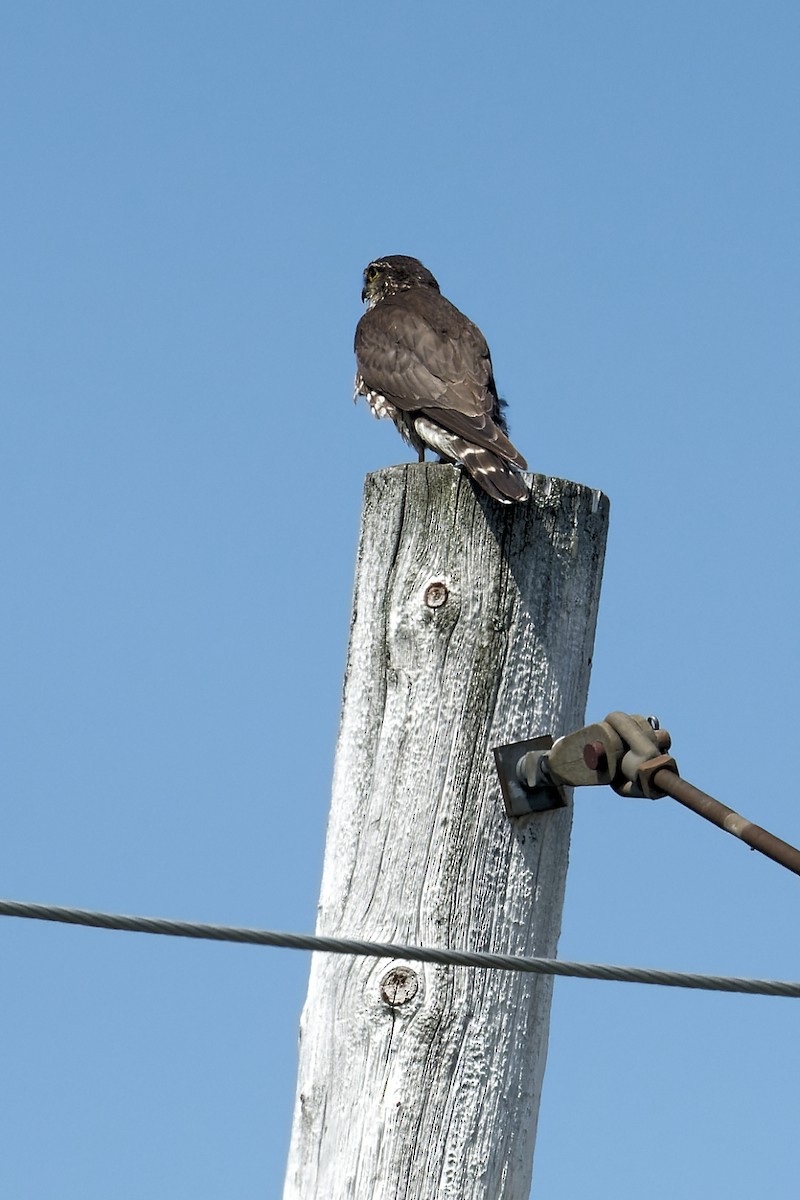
x=472 y=626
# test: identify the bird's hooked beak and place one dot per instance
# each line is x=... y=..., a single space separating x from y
x=364 y=294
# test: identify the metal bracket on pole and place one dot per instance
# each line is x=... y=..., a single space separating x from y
x=622 y=751
x=630 y=754
x=530 y=789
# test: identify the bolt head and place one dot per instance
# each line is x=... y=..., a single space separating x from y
x=595 y=757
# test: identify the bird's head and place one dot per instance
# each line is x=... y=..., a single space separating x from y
x=395 y=273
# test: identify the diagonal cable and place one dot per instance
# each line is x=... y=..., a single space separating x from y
x=456 y=958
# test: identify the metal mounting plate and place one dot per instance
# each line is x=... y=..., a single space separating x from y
x=520 y=800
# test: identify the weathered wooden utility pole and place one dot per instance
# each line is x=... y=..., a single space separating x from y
x=473 y=625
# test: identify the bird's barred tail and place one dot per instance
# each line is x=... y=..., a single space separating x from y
x=499 y=480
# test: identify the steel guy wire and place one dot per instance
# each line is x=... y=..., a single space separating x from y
x=457 y=958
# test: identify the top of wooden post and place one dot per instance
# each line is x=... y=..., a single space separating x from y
x=473 y=624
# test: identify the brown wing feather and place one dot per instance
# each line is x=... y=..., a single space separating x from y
x=425 y=356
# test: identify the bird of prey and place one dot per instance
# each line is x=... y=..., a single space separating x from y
x=422 y=363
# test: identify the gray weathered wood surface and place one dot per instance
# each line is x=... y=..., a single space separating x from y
x=437 y=1097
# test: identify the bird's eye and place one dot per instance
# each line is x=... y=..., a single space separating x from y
x=372 y=274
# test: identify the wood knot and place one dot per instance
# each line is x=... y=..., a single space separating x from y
x=398 y=986
x=436 y=594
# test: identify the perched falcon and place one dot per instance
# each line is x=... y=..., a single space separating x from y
x=424 y=364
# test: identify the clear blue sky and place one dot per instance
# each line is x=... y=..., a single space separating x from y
x=190 y=192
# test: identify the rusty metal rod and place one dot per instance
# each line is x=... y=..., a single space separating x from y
x=719 y=814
